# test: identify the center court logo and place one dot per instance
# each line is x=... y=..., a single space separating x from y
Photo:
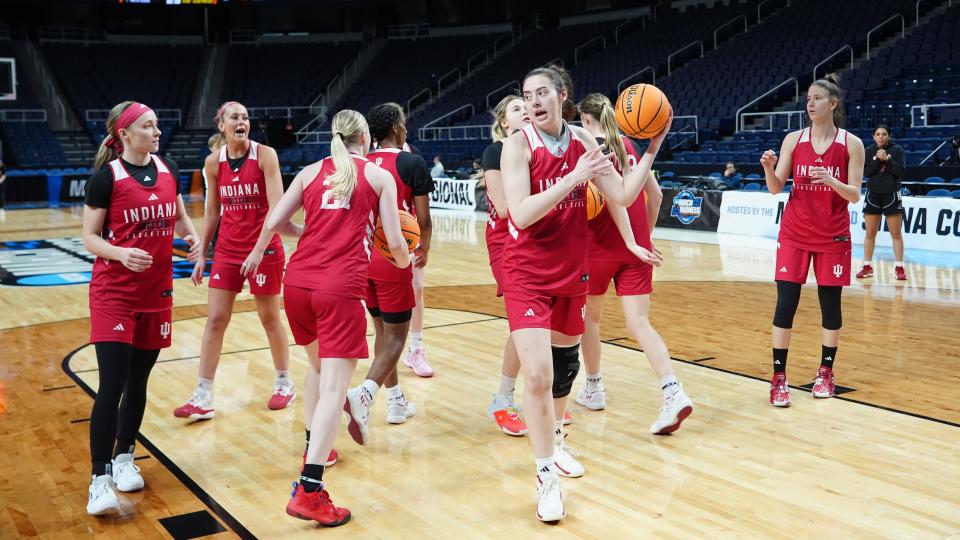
x=686 y=207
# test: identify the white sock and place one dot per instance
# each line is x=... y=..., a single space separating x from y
x=899 y=264
x=283 y=373
x=416 y=340
x=545 y=466
x=507 y=385
x=558 y=433
x=205 y=385
x=594 y=380
x=394 y=392
x=866 y=263
x=371 y=387
x=670 y=385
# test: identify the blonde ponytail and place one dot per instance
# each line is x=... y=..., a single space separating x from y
x=499 y=112
x=347 y=126
x=598 y=106
x=106 y=153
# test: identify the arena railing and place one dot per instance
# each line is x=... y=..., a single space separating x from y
x=925 y=116
x=903 y=28
x=624 y=24
x=287 y=112
x=635 y=77
x=23 y=115
x=445 y=76
x=830 y=57
x=789 y=115
x=500 y=92
x=576 y=52
x=796 y=90
x=728 y=23
x=684 y=129
x=467 y=107
x=455 y=133
x=163 y=115
x=680 y=50
x=760 y=6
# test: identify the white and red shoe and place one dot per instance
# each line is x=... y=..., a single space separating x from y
x=200 y=407
x=549 y=498
x=567 y=419
x=283 y=394
x=779 y=391
x=824 y=386
x=866 y=271
x=900 y=273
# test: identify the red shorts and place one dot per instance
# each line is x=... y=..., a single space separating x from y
x=148 y=330
x=631 y=279
x=831 y=268
x=266 y=282
x=338 y=324
x=496 y=266
x=563 y=314
x=390 y=296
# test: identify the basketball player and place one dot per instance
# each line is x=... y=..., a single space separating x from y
x=509 y=115
x=826 y=163
x=133 y=208
x=613 y=259
x=325 y=284
x=247 y=183
x=390 y=296
x=545 y=168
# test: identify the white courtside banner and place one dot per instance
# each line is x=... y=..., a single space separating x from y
x=931 y=223
x=456 y=194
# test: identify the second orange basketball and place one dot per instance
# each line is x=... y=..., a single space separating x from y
x=408 y=226
x=642 y=111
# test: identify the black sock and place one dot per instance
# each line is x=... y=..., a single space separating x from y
x=307 y=446
x=312 y=477
x=779 y=360
x=829 y=354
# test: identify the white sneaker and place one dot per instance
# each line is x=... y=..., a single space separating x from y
x=593 y=398
x=126 y=475
x=565 y=461
x=399 y=409
x=550 y=498
x=357 y=405
x=102 y=498
x=674 y=410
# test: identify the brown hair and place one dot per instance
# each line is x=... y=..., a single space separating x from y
x=106 y=152
x=561 y=81
x=598 y=106
x=831 y=83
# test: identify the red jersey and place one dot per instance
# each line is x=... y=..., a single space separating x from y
x=243 y=199
x=548 y=256
x=333 y=254
x=138 y=217
x=496 y=232
x=816 y=216
x=606 y=244
x=380 y=268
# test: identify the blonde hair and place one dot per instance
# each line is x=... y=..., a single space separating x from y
x=348 y=126
x=106 y=153
x=216 y=140
x=221 y=136
x=598 y=106
x=499 y=112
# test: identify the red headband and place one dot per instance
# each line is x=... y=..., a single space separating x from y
x=127 y=118
x=224 y=108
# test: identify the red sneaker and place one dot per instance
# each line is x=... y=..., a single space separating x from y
x=901 y=273
x=865 y=272
x=509 y=422
x=824 y=385
x=316 y=506
x=567 y=419
x=283 y=394
x=779 y=391
x=332 y=459
x=200 y=407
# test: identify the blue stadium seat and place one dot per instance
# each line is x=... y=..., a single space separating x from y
x=955 y=181
x=751 y=187
x=939 y=193
x=955 y=193
x=935 y=179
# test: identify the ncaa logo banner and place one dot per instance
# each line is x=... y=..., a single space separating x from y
x=454 y=194
x=930 y=223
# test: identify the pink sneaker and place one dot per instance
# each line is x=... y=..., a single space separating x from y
x=283 y=394
x=416 y=360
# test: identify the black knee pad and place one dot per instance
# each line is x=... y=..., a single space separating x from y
x=398 y=317
x=788 y=298
x=830 y=309
x=566 y=365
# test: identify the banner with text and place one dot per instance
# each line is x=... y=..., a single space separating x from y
x=931 y=223
x=456 y=194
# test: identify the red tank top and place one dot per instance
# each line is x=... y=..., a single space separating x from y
x=606 y=244
x=548 y=257
x=333 y=254
x=816 y=217
x=496 y=231
x=139 y=217
x=243 y=198
x=380 y=268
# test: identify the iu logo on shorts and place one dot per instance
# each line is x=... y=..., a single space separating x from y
x=261 y=279
x=838 y=270
x=165 y=330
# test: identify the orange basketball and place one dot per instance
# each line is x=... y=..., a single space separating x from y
x=642 y=111
x=411 y=233
x=594 y=201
